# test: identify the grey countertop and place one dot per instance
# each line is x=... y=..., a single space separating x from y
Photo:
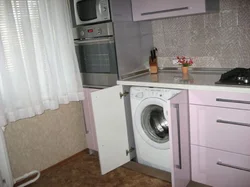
x=195 y=80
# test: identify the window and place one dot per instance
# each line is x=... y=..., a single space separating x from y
x=38 y=64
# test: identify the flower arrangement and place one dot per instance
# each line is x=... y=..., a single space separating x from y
x=185 y=62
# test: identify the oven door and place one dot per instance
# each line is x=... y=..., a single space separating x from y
x=97 y=61
x=91 y=11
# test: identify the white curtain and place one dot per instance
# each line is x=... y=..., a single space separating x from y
x=38 y=63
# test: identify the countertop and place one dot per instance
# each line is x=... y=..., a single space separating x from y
x=195 y=80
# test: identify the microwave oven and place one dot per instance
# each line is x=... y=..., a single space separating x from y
x=90 y=11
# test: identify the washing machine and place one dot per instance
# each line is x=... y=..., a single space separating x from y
x=149 y=108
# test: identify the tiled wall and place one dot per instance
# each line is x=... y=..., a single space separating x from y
x=214 y=40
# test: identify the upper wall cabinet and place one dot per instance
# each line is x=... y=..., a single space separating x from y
x=148 y=9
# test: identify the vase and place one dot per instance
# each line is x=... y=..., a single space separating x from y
x=184 y=70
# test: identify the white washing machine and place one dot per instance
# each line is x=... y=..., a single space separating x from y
x=150 y=123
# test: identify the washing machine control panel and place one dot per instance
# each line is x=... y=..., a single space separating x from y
x=141 y=93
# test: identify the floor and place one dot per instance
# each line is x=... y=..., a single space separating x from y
x=84 y=170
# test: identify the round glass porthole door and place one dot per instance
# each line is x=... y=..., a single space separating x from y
x=154 y=124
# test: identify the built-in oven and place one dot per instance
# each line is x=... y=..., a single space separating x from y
x=90 y=11
x=97 y=55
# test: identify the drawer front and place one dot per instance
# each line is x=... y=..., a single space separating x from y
x=220 y=99
x=220 y=169
x=220 y=128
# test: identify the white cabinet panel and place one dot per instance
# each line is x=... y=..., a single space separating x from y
x=89 y=119
x=6 y=179
x=112 y=127
x=148 y=9
x=180 y=141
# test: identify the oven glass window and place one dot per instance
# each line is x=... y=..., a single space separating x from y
x=97 y=57
x=86 y=10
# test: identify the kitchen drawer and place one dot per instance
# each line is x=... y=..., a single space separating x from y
x=220 y=99
x=220 y=169
x=220 y=128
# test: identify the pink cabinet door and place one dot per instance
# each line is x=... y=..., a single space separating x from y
x=180 y=142
x=220 y=128
x=89 y=119
x=220 y=99
x=148 y=9
x=220 y=168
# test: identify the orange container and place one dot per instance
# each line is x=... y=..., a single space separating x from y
x=153 y=65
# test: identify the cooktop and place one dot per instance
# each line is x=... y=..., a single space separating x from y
x=237 y=76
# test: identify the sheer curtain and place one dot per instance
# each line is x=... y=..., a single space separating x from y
x=38 y=63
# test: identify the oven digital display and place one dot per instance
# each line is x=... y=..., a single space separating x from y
x=90 y=30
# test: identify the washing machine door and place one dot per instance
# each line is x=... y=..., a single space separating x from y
x=151 y=122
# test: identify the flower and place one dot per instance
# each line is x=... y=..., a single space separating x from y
x=185 y=62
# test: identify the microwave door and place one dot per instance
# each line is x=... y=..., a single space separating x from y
x=90 y=11
x=86 y=10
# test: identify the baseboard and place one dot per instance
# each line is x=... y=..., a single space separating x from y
x=196 y=184
x=163 y=175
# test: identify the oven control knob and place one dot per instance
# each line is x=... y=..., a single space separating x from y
x=99 y=31
x=246 y=81
x=82 y=33
x=139 y=95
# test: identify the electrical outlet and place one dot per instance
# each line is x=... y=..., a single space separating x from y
x=175 y=61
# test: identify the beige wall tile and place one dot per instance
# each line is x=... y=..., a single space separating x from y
x=213 y=40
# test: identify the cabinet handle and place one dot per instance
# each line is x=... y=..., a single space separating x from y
x=164 y=11
x=232 y=101
x=233 y=123
x=79 y=42
x=84 y=120
x=176 y=106
x=232 y=166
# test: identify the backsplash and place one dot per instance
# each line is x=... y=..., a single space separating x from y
x=215 y=40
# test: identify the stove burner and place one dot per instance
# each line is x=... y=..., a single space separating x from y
x=237 y=76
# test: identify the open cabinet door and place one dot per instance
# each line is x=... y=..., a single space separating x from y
x=180 y=141
x=113 y=127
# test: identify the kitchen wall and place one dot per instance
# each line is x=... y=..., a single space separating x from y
x=42 y=141
x=214 y=40
x=133 y=46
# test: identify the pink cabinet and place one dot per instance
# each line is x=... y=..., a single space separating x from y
x=220 y=99
x=220 y=128
x=89 y=120
x=148 y=9
x=219 y=168
x=220 y=138
x=180 y=142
